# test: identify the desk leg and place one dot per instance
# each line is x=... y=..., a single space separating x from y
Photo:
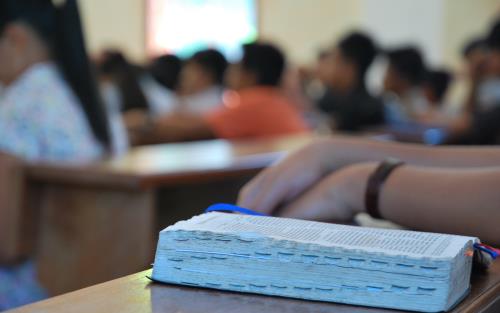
x=88 y=236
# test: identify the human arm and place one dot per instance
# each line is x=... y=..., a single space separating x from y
x=300 y=170
x=456 y=201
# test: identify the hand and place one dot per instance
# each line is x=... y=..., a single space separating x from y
x=338 y=197
x=285 y=180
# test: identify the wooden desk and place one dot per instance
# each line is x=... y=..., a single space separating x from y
x=136 y=293
x=97 y=223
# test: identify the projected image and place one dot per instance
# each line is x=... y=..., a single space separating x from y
x=186 y=26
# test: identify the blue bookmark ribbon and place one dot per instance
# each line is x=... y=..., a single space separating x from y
x=493 y=252
x=224 y=207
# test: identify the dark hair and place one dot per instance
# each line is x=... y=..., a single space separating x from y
x=266 y=61
x=408 y=62
x=438 y=81
x=493 y=39
x=60 y=28
x=360 y=49
x=211 y=61
x=473 y=45
x=166 y=69
x=126 y=77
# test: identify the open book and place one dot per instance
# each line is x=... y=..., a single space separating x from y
x=397 y=269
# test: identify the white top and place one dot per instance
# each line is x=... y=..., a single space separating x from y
x=161 y=101
x=41 y=119
x=112 y=101
x=203 y=102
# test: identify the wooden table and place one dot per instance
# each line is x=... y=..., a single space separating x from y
x=98 y=223
x=136 y=293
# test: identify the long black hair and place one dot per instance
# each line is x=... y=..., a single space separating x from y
x=60 y=28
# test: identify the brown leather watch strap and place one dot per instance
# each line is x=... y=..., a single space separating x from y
x=375 y=183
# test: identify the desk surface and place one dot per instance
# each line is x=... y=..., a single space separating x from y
x=136 y=293
x=150 y=166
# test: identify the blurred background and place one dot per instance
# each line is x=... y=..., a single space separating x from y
x=301 y=28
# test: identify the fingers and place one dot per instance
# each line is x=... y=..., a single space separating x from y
x=322 y=202
x=282 y=182
x=264 y=192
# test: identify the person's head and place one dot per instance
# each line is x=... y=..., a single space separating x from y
x=203 y=70
x=475 y=54
x=405 y=70
x=349 y=61
x=34 y=31
x=166 y=69
x=436 y=85
x=112 y=63
x=493 y=43
x=473 y=48
x=262 y=64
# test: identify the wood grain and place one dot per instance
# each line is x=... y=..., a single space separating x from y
x=11 y=207
x=172 y=164
x=92 y=235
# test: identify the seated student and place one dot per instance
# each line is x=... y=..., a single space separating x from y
x=131 y=96
x=201 y=82
x=475 y=54
x=327 y=181
x=484 y=89
x=435 y=85
x=435 y=88
x=480 y=124
x=346 y=99
x=255 y=109
x=116 y=71
x=403 y=95
x=49 y=108
x=165 y=70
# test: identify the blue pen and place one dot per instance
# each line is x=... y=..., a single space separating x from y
x=224 y=207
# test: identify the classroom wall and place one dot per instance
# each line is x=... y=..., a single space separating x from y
x=464 y=19
x=115 y=23
x=302 y=27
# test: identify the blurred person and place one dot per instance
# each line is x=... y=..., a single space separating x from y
x=115 y=69
x=480 y=124
x=132 y=95
x=316 y=78
x=346 y=98
x=436 y=85
x=159 y=83
x=435 y=88
x=166 y=70
x=403 y=95
x=475 y=55
x=255 y=108
x=201 y=81
x=50 y=109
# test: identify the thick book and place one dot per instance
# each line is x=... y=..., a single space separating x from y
x=397 y=269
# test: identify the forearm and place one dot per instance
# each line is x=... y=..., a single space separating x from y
x=339 y=151
x=465 y=201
